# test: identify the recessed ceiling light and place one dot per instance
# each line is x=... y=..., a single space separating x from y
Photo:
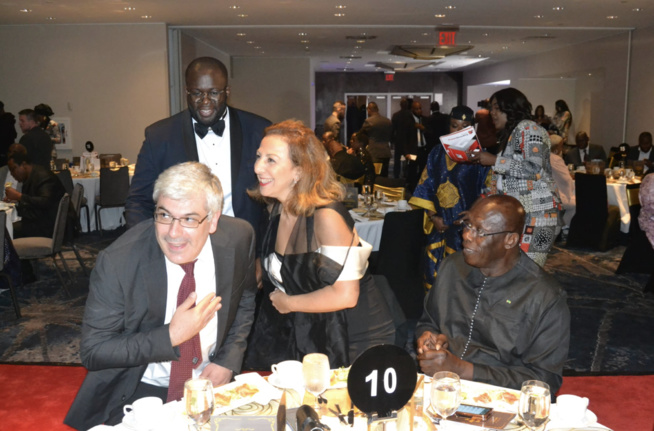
x=539 y=16
x=234 y=7
x=241 y=34
x=439 y=15
x=450 y=7
x=256 y=47
x=558 y=8
x=339 y=14
x=414 y=41
x=485 y=34
x=302 y=34
x=26 y=10
x=242 y=15
x=250 y=42
x=304 y=41
x=590 y=74
x=340 y=6
x=361 y=41
x=146 y=16
x=51 y=18
x=612 y=17
x=505 y=48
x=426 y=34
x=637 y=9
x=129 y=8
x=357 y=47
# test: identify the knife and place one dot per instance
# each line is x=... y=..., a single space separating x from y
x=340 y=415
x=281 y=413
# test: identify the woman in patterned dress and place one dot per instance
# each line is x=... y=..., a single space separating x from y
x=522 y=169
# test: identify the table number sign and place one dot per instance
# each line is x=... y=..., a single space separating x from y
x=382 y=380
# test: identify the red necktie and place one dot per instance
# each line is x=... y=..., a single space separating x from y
x=190 y=350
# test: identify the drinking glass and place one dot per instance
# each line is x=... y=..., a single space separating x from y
x=445 y=393
x=315 y=369
x=199 y=399
x=368 y=198
x=534 y=408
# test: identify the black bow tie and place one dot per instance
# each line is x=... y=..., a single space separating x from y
x=217 y=128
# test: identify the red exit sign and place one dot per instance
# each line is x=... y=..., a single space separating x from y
x=447 y=38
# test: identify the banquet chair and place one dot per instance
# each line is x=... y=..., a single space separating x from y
x=596 y=224
x=106 y=159
x=400 y=259
x=378 y=168
x=114 y=187
x=76 y=202
x=391 y=193
x=66 y=179
x=633 y=200
x=12 y=288
x=34 y=248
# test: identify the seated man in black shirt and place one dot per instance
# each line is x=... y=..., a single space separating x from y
x=493 y=315
x=344 y=164
x=38 y=202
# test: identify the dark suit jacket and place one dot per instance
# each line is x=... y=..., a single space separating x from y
x=123 y=329
x=379 y=129
x=38 y=145
x=39 y=204
x=594 y=151
x=408 y=135
x=172 y=141
x=635 y=152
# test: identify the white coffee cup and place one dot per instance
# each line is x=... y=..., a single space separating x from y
x=146 y=410
x=571 y=407
x=403 y=205
x=288 y=372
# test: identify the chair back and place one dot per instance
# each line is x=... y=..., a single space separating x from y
x=400 y=259
x=633 y=190
x=349 y=182
x=106 y=159
x=391 y=193
x=60 y=224
x=114 y=186
x=378 y=168
x=591 y=225
x=77 y=197
x=66 y=180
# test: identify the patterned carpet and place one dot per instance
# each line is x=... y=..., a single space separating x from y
x=610 y=313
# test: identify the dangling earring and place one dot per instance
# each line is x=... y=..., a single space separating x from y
x=295 y=180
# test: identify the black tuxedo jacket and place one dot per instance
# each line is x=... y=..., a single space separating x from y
x=594 y=151
x=634 y=153
x=123 y=328
x=172 y=141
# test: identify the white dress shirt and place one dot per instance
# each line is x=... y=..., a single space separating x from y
x=158 y=373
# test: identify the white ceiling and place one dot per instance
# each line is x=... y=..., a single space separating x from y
x=498 y=30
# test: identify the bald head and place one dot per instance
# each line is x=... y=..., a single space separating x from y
x=504 y=210
x=203 y=66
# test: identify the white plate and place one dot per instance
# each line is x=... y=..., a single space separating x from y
x=557 y=421
x=273 y=379
x=265 y=392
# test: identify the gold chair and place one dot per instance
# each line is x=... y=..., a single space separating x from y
x=349 y=182
x=632 y=194
x=378 y=168
x=391 y=193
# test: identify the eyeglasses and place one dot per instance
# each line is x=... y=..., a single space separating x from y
x=212 y=94
x=477 y=233
x=188 y=222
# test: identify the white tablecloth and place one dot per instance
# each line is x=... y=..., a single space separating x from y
x=111 y=217
x=616 y=193
x=12 y=216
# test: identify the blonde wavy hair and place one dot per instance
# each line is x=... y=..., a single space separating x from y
x=317 y=185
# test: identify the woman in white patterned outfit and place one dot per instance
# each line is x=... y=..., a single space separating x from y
x=522 y=169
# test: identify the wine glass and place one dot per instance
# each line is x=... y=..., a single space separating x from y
x=534 y=408
x=199 y=399
x=316 y=372
x=368 y=198
x=445 y=393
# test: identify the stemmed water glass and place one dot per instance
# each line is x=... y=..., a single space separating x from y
x=534 y=407
x=368 y=198
x=199 y=399
x=316 y=372
x=445 y=393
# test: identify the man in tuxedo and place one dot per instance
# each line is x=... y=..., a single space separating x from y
x=584 y=152
x=437 y=125
x=378 y=129
x=414 y=146
x=643 y=151
x=224 y=138
x=400 y=121
x=171 y=299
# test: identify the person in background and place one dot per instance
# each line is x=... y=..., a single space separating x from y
x=540 y=118
x=646 y=216
x=378 y=129
x=643 y=151
x=318 y=295
x=400 y=122
x=522 y=169
x=358 y=145
x=43 y=113
x=171 y=299
x=485 y=128
x=333 y=123
x=7 y=133
x=563 y=180
x=446 y=189
x=585 y=151
x=35 y=140
x=562 y=120
x=493 y=315
x=414 y=146
x=344 y=164
x=209 y=131
x=436 y=125
x=38 y=201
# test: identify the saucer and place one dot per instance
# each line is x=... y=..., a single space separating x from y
x=129 y=421
x=557 y=421
x=273 y=379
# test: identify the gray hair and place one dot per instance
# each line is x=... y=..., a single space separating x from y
x=188 y=181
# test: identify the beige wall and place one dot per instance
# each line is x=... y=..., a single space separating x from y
x=641 y=91
x=110 y=80
x=599 y=69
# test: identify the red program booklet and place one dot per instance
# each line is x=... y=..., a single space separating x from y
x=456 y=144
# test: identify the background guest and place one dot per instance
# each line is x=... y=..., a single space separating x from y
x=35 y=140
x=522 y=169
x=317 y=293
x=564 y=182
x=343 y=163
x=43 y=113
x=562 y=120
x=540 y=118
x=358 y=145
x=333 y=122
x=7 y=133
x=485 y=128
x=585 y=151
x=378 y=129
x=446 y=189
x=643 y=151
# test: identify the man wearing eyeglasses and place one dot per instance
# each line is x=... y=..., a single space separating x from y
x=493 y=315
x=224 y=138
x=171 y=299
